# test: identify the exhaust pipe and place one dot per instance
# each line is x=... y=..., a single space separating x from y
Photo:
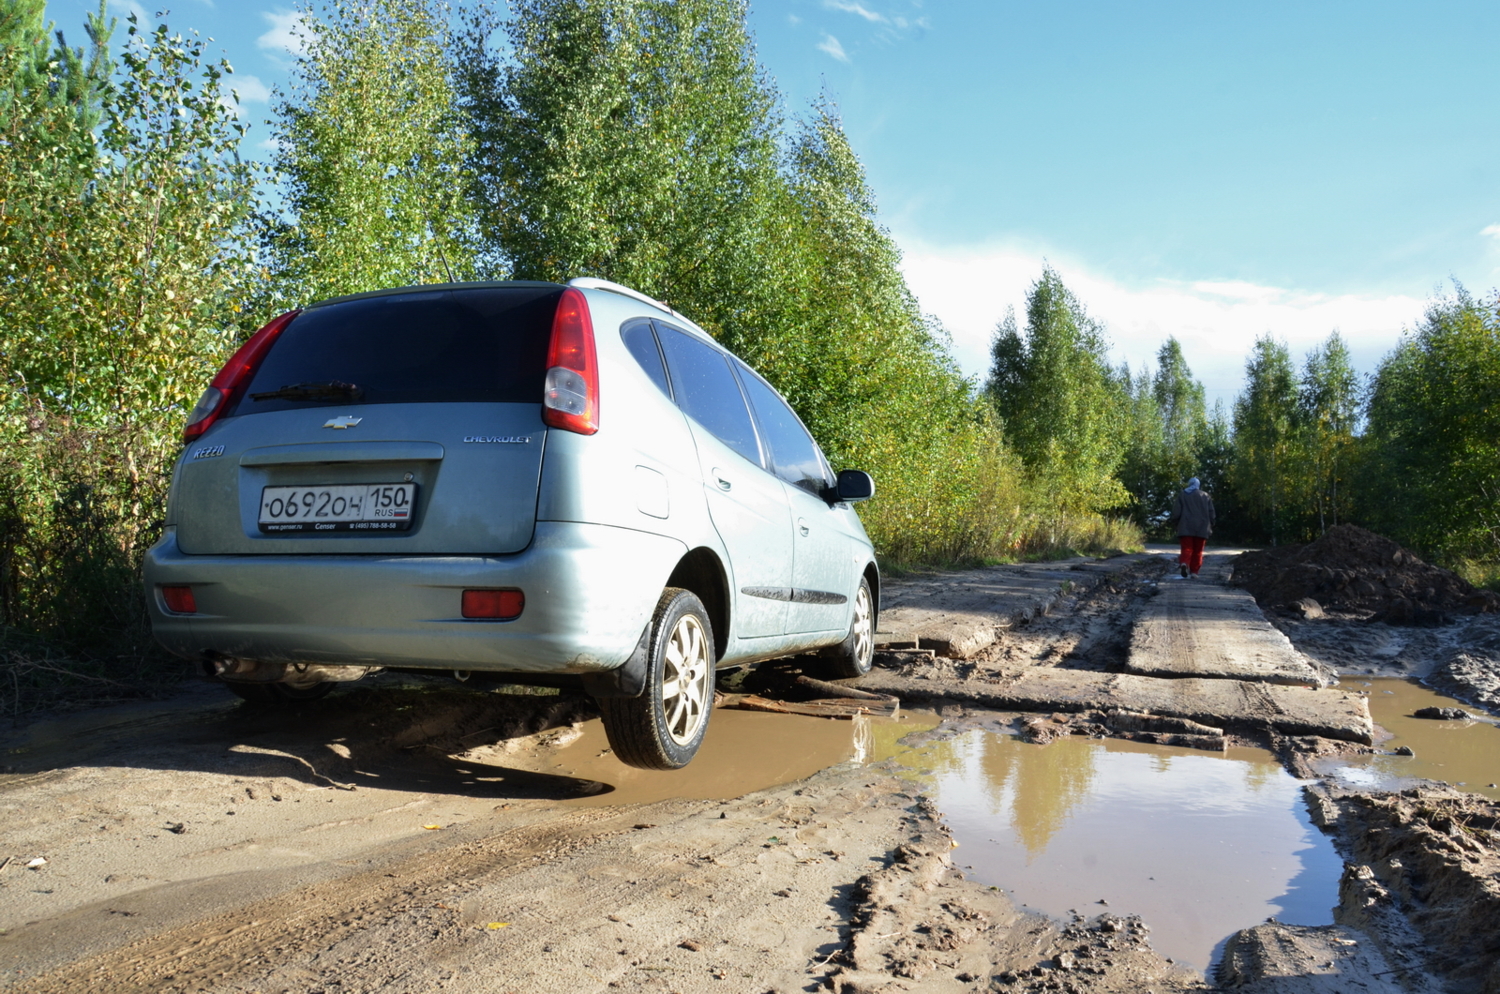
x=237 y=670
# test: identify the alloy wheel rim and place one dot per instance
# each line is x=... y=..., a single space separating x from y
x=685 y=677
x=864 y=641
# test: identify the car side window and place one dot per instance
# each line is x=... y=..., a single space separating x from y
x=794 y=454
x=707 y=390
x=641 y=341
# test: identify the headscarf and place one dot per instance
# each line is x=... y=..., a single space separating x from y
x=1192 y=486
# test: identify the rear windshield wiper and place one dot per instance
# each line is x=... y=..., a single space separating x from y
x=336 y=390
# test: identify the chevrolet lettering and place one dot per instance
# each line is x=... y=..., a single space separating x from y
x=639 y=512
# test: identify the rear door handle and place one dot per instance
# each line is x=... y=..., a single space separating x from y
x=723 y=483
x=802 y=527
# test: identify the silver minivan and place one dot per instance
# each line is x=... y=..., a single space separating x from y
x=568 y=485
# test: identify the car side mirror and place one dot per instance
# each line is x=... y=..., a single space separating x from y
x=853 y=485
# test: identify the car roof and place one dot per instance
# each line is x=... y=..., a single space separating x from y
x=429 y=287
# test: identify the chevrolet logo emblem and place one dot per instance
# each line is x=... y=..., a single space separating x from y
x=342 y=422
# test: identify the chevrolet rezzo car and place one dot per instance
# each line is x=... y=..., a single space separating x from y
x=569 y=485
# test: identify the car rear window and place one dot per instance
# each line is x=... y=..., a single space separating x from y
x=484 y=344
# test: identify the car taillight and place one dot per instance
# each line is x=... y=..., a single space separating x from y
x=570 y=399
x=180 y=600
x=498 y=605
x=224 y=389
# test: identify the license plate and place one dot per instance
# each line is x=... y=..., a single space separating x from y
x=361 y=507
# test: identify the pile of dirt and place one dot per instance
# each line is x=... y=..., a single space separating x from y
x=1351 y=569
x=1422 y=877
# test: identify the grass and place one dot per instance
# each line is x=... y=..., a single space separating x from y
x=1482 y=574
x=1036 y=540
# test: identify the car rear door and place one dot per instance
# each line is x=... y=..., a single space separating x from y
x=747 y=504
x=393 y=423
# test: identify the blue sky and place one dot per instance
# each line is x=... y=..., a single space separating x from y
x=1212 y=171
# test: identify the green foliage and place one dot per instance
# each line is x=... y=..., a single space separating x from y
x=1184 y=415
x=125 y=256
x=1063 y=409
x=1143 y=471
x=844 y=339
x=632 y=140
x=1328 y=409
x=372 y=157
x=1265 y=420
x=1168 y=433
x=1433 y=478
x=1294 y=448
x=36 y=75
x=116 y=290
x=1215 y=461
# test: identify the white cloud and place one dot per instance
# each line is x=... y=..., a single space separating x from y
x=248 y=88
x=1493 y=231
x=1217 y=322
x=831 y=45
x=851 y=7
x=288 y=32
x=793 y=20
x=251 y=89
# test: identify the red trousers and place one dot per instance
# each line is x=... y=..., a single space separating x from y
x=1192 y=552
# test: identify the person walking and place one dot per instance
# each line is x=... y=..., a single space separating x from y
x=1193 y=514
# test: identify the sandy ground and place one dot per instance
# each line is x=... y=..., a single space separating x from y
x=406 y=836
x=357 y=845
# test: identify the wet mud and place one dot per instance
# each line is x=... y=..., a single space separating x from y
x=1423 y=880
x=407 y=835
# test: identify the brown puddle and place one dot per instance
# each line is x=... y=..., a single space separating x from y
x=744 y=751
x=1199 y=845
x=1465 y=754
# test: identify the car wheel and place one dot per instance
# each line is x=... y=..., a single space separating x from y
x=853 y=656
x=280 y=693
x=663 y=727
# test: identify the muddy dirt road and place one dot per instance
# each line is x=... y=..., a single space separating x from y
x=415 y=835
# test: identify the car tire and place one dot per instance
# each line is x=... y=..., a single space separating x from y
x=663 y=727
x=280 y=693
x=854 y=656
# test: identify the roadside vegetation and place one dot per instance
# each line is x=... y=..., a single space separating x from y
x=638 y=141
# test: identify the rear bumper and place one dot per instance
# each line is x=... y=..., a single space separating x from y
x=590 y=590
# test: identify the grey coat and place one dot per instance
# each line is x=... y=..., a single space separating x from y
x=1193 y=514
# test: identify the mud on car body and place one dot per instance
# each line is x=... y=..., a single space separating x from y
x=563 y=484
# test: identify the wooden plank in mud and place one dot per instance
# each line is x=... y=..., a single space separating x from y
x=1241 y=705
x=958 y=613
x=1202 y=628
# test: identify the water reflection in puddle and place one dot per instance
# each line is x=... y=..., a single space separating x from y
x=744 y=751
x=1199 y=845
x=1463 y=753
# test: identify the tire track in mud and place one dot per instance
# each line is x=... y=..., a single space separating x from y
x=834 y=881
x=197 y=956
